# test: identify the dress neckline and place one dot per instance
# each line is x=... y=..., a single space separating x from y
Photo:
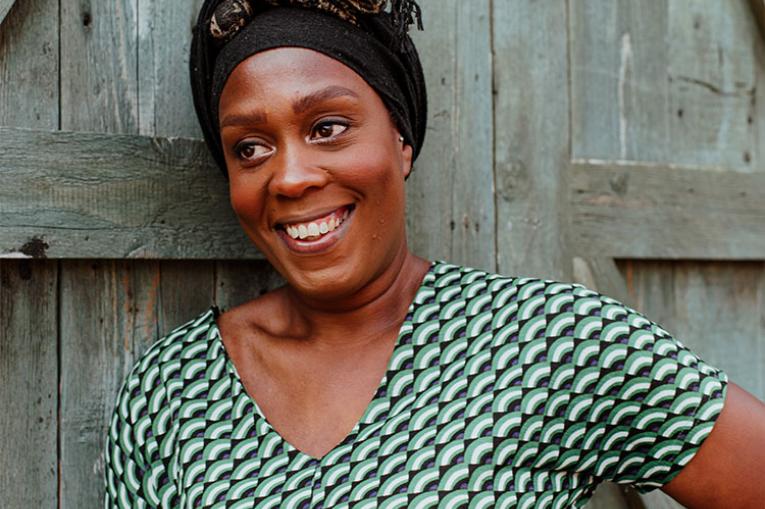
x=380 y=392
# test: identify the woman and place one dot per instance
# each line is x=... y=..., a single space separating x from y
x=375 y=378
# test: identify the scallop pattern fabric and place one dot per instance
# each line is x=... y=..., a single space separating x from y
x=500 y=392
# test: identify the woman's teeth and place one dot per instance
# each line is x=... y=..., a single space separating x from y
x=316 y=229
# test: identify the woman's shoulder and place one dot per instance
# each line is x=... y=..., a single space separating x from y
x=508 y=289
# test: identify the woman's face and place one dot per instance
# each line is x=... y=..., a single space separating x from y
x=316 y=170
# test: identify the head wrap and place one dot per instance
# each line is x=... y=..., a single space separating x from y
x=357 y=33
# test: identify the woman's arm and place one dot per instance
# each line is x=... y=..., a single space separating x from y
x=728 y=471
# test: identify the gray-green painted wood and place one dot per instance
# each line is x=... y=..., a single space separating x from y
x=29 y=377
x=29 y=371
x=450 y=195
x=531 y=151
x=634 y=211
x=667 y=80
x=164 y=95
x=90 y=195
x=5 y=8
x=104 y=322
x=106 y=311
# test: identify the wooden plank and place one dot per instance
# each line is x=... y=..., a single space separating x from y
x=619 y=79
x=29 y=376
x=601 y=274
x=713 y=69
x=108 y=317
x=666 y=81
x=531 y=119
x=108 y=310
x=28 y=289
x=717 y=309
x=99 y=62
x=110 y=196
x=29 y=66
x=450 y=201
x=633 y=211
x=165 y=104
x=5 y=8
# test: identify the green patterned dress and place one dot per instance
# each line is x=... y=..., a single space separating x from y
x=501 y=392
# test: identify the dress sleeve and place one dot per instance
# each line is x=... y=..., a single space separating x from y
x=132 y=467
x=648 y=401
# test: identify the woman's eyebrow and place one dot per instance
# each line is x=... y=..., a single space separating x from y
x=332 y=91
x=237 y=119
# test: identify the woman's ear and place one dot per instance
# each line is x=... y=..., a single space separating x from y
x=406 y=156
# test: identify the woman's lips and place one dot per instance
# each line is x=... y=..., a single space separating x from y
x=318 y=234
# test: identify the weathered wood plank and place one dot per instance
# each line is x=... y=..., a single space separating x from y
x=29 y=66
x=110 y=196
x=99 y=86
x=108 y=316
x=5 y=8
x=531 y=137
x=713 y=77
x=666 y=81
x=618 y=81
x=165 y=104
x=29 y=377
x=450 y=201
x=29 y=370
x=716 y=309
x=108 y=310
x=632 y=211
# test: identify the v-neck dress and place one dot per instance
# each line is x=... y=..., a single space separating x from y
x=500 y=392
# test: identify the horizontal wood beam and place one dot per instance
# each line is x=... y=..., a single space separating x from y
x=623 y=210
x=83 y=195
x=5 y=8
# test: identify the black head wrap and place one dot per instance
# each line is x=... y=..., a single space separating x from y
x=357 y=33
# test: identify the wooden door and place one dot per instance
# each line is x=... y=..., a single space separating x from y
x=618 y=143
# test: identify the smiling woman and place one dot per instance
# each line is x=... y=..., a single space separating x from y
x=375 y=378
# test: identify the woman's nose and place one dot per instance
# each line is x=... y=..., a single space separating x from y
x=296 y=172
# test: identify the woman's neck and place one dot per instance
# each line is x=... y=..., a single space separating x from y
x=378 y=307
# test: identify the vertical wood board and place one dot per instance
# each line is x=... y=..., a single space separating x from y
x=29 y=376
x=108 y=310
x=531 y=120
x=668 y=80
x=29 y=368
x=450 y=210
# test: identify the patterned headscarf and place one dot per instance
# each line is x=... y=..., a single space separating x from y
x=358 y=33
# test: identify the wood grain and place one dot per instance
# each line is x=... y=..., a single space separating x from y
x=669 y=212
x=114 y=196
x=531 y=116
x=109 y=308
x=29 y=371
x=450 y=194
x=681 y=87
x=29 y=376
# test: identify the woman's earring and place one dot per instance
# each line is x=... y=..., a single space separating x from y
x=400 y=138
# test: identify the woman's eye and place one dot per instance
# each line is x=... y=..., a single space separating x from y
x=326 y=130
x=248 y=150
